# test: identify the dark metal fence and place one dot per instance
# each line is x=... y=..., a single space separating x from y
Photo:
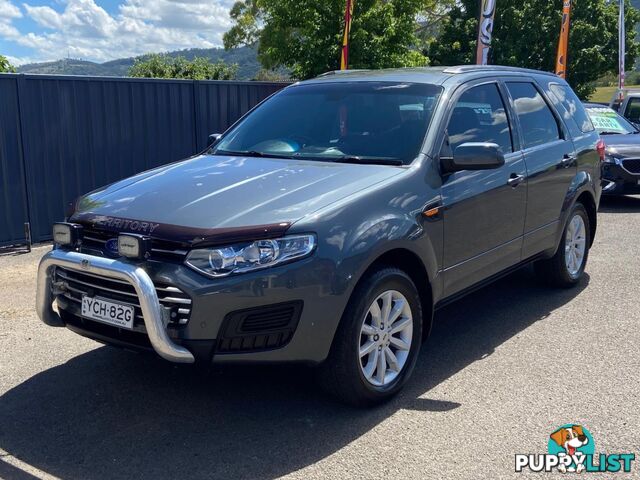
x=64 y=136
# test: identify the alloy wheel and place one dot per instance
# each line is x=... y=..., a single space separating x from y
x=385 y=338
x=575 y=245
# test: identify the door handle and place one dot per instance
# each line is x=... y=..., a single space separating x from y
x=568 y=160
x=515 y=180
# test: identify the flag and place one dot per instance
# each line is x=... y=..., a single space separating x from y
x=563 y=44
x=348 y=15
x=622 y=48
x=485 y=31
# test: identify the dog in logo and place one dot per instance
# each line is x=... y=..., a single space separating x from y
x=571 y=439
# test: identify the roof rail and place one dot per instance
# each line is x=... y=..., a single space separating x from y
x=339 y=72
x=493 y=68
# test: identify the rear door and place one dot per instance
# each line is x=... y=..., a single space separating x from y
x=550 y=160
x=484 y=210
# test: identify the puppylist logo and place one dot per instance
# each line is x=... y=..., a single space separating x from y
x=572 y=450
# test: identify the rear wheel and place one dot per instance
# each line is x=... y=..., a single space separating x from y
x=566 y=267
x=377 y=344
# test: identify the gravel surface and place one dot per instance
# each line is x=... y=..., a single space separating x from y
x=503 y=369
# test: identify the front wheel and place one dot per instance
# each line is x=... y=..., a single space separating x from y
x=378 y=340
x=566 y=267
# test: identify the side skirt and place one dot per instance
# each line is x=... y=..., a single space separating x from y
x=457 y=296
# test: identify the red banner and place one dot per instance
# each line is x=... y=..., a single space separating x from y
x=485 y=31
x=563 y=44
x=348 y=15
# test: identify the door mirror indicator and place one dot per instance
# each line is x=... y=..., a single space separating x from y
x=473 y=156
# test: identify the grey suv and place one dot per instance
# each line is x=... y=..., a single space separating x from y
x=326 y=225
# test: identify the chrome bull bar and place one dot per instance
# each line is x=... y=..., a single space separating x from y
x=119 y=270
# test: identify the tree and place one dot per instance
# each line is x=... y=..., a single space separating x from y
x=270 y=76
x=5 y=65
x=305 y=36
x=164 y=66
x=526 y=34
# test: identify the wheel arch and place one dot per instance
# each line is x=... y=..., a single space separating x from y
x=589 y=203
x=410 y=263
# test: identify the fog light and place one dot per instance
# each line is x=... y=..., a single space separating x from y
x=67 y=234
x=134 y=246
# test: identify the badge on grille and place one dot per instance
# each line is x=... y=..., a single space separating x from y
x=111 y=247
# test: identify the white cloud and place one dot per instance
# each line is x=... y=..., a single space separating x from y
x=85 y=30
x=8 y=12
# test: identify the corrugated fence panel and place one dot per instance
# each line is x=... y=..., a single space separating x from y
x=13 y=207
x=85 y=133
x=61 y=137
x=220 y=104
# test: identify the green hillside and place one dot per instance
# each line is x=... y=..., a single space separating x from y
x=245 y=57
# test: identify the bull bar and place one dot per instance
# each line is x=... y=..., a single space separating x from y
x=110 y=268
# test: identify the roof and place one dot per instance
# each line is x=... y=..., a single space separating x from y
x=433 y=75
x=595 y=105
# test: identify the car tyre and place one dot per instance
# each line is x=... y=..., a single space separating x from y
x=354 y=377
x=566 y=267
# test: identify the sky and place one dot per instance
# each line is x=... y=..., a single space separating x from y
x=102 y=30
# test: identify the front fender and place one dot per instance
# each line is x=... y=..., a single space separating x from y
x=375 y=239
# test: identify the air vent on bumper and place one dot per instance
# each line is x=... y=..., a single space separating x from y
x=262 y=328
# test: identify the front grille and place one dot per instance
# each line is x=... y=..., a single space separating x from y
x=93 y=240
x=632 y=165
x=260 y=328
x=75 y=284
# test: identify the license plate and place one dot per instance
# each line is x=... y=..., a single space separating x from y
x=109 y=312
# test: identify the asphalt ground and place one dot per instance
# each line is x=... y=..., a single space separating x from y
x=503 y=369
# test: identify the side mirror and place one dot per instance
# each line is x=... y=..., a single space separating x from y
x=474 y=156
x=213 y=138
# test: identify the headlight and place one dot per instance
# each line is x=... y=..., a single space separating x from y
x=250 y=256
x=608 y=158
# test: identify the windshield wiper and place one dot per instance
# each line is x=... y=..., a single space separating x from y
x=608 y=132
x=250 y=153
x=366 y=160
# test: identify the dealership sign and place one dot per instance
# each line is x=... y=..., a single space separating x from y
x=485 y=31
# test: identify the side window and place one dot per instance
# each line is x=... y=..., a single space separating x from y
x=480 y=116
x=633 y=110
x=574 y=109
x=538 y=124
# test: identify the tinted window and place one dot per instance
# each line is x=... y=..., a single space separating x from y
x=480 y=116
x=538 y=124
x=633 y=110
x=607 y=121
x=574 y=109
x=325 y=121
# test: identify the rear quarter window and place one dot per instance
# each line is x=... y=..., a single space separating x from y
x=574 y=111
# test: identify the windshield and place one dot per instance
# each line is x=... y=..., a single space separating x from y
x=363 y=121
x=609 y=122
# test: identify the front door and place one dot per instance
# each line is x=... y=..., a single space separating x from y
x=484 y=210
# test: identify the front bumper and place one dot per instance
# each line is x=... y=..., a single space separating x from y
x=308 y=288
x=155 y=319
x=617 y=180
